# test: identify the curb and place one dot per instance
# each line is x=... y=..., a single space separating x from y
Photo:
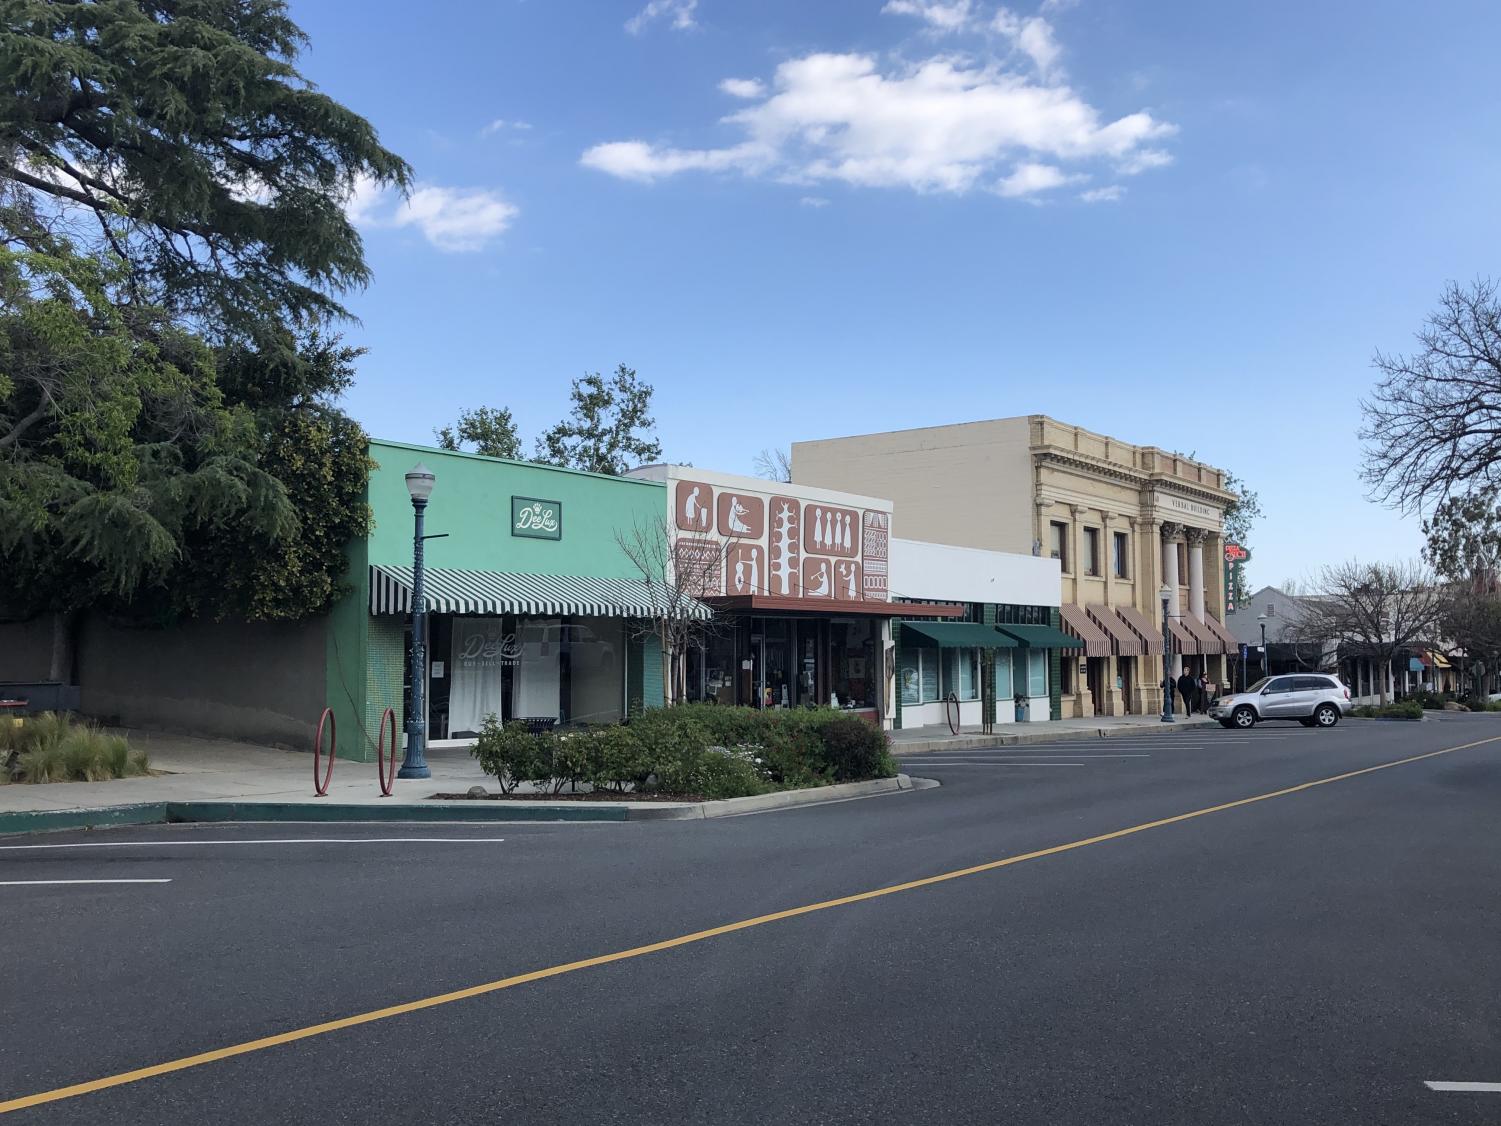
x=157 y=813
x=981 y=742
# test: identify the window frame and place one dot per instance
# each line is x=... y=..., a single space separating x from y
x=1120 y=563
x=1061 y=554
x=1092 y=559
x=1037 y=673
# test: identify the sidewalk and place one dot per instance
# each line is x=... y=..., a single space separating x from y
x=937 y=737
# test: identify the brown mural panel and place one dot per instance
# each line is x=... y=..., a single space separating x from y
x=830 y=531
x=875 y=545
x=745 y=569
x=693 y=506
x=741 y=517
x=848 y=580
x=697 y=565
x=785 y=520
x=818 y=577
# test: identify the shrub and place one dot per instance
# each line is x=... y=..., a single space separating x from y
x=855 y=749
x=509 y=752
x=54 y=748
x=618 y=760
x=1404 y=709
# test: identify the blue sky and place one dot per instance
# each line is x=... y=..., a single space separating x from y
x=1184 y=224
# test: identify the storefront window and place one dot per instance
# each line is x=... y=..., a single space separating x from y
x=1037 y=672
x=918 y=673
x=482 y=649
x=961 y=673
x=1003 y=688
x=852 y=656
x=593 y=651
x=536 y=694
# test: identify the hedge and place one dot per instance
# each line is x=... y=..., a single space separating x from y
x=699 y=750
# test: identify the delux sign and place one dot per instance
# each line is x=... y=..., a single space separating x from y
x=536 y=519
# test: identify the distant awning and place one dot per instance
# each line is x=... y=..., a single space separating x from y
x=1415 y=664
x=1439 y=660
x=1207 y=641
x=1041 y=637
x=956 y=635
x=449 y=591
x=1228 y=639
x=1077 y=622
x=1127 y=644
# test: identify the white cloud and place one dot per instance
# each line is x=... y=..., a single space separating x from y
x=451 y=219
x=952 y=16
x=1145 y=159
x=1029 y=179
x=1032 y=36
x=500 y=125
x=679 y=13
x=945 y=124
x=743 y=87
x=813 y=201
x=1103 y=195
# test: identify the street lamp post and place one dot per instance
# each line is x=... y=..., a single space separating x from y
x=414 y=765
x=1167 y=658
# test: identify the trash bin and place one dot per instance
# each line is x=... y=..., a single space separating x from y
x=1023 y=709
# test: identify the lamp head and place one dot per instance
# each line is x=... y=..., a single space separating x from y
x=420 y=480
x=1165 y=593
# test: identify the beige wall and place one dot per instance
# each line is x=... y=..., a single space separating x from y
x=968 y=484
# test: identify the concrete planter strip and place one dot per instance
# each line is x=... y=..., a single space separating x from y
x=151 y=813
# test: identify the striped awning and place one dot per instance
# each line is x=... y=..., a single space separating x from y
x=493 y=592
x=1076 y=621
x=1208 y=642
x=1127 y=644
x=1228 y=639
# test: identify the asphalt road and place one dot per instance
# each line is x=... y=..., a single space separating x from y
x=1313 y=957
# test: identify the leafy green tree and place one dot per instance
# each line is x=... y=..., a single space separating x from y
x=492 y=432
x=609 y=429
x=180 y=140
x=115 y=444
x=1463 y=537
x=1242 y=513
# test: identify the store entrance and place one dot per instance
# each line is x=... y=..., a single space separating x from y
x=771 y=648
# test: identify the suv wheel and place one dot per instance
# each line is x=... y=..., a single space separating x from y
x=1326 y=715
x=1243 y=717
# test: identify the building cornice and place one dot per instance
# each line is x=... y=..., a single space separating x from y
x=1139 y=478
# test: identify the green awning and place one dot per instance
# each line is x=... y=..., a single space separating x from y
x=1041 y=637
x=449 y=591
x=956 y=635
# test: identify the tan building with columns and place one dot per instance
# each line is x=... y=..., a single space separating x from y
x=1122 y=520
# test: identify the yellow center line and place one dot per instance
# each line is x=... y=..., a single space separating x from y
x=249 y=1046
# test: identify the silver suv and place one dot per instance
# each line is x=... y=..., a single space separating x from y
x=1313 y=699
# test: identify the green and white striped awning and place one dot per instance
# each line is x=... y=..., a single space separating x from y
x=550 y=596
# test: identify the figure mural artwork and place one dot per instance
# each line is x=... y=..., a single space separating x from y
x=744 y=569
x=829 y=531
x=697 y=563
x=741 y=516
x=695 y=506
x=818 y=577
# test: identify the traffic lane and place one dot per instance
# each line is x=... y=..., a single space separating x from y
x=1310 y=959
x=280 y=941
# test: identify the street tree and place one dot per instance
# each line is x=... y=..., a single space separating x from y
x=1433 y=425
x=181 y=142
x=774 y=464
x=1463 y=537
x=609 y=429
x=1377 y=610
x=679 y=571
x=490 y=431
x=1241 y=513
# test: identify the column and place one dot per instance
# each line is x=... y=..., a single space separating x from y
x=1196 y=572
x=1170 y=534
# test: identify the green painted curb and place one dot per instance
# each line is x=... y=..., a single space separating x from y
x=45 y=820
x=157 y=813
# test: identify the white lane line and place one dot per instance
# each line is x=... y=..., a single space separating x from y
x=974 y=756
x=1473 y=1088
x=254 y=841
x=53 y=883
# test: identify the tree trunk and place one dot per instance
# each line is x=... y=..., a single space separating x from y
x=64 y=624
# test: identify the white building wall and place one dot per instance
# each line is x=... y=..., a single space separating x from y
x=946 y=573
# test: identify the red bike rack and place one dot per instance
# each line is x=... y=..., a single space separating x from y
x=386 y=783
x=321 y=788
x=951 y=712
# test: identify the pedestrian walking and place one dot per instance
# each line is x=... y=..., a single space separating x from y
x=1204 y=687
x=1187 y=688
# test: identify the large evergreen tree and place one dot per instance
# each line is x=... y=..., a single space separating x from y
x=172 y=236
